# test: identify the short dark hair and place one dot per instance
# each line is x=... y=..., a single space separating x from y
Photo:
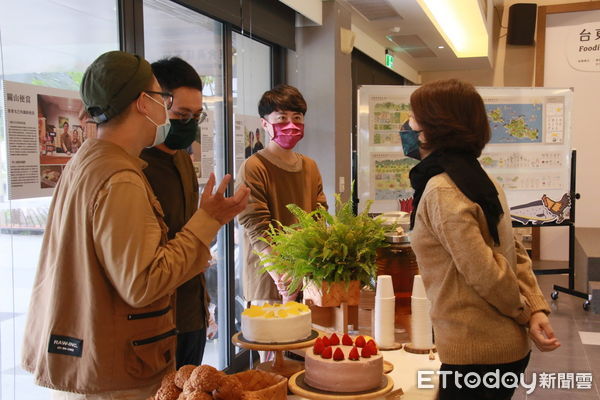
x=281 y=98
x=452 y=116
x=172 y=73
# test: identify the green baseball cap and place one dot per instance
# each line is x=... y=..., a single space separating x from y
x=112 y=82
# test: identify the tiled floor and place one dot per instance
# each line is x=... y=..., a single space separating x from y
x=568 y=319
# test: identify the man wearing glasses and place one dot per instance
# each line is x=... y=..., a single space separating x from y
x=101 y=323
x=171 y=174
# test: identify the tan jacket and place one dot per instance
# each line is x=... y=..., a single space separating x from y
x=481 y=295
x=273 y=185
x=100 y=317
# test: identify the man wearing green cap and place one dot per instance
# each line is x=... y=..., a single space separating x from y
x=100 y=318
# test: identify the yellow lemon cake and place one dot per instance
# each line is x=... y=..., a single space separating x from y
x=276 y=323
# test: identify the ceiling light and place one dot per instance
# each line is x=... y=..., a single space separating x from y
x=461 y=24
x=441 y=47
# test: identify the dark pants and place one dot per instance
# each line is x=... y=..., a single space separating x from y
x=190 y=347
x=453 y=392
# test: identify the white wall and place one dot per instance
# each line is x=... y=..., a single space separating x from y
x=586 y=119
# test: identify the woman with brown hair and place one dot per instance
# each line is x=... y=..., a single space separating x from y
x=479 y=279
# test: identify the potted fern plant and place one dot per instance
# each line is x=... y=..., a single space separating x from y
x=329 y=256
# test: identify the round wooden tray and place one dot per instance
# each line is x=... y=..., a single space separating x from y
x=279 y=365
x=239 y=340
x=387 y=367
x=297 y=386
x=395 y=346
x=408 y=347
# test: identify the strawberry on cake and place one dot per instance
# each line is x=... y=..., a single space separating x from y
x=346 y=365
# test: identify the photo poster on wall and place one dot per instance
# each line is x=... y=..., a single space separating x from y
x=45 y=128
x=529 y=152
x=250 y=137
x=205 y=163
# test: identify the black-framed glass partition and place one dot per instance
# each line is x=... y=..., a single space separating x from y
x=50 y=44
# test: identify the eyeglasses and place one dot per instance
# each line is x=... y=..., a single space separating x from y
x=186 y=117
x=167 y=97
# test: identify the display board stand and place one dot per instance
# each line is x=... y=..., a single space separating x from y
x=571 y=263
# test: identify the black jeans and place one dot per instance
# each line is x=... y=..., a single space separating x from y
x=481 y=392
x=190 y=347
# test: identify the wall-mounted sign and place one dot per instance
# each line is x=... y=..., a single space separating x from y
x=583 y=47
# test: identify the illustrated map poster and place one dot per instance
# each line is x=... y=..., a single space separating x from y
x=389 y=174
x=529 y=152
x=389 y=115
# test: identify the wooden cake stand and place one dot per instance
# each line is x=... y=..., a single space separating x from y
x=280 y=365
x=297 y=386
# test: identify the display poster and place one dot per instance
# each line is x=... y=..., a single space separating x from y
x=529 y=151
x=250 y=137
x=389 y=174
x=388 y=117
x=45 y=128
x=206 y=164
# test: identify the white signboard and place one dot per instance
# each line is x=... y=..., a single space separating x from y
x=583 y=47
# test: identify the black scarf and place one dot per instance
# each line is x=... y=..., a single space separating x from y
x=466 y=172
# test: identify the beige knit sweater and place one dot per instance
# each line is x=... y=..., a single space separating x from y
x=482 y=295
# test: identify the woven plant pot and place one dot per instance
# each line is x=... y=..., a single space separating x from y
x=332 y=294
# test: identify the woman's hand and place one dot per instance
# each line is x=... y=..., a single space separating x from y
x=541 y=333
x=283 y=286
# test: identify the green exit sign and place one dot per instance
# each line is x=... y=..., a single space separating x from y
x=389 y=61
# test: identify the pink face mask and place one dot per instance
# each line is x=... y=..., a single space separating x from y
x=287 y=134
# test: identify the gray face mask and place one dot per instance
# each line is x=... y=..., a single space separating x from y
x=161 y=129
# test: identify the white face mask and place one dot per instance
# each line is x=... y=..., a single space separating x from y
x=161 y=129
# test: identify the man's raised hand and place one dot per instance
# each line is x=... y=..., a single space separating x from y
x=222 y=208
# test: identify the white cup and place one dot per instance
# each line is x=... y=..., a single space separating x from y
x=384 y=321
x=418 y=290
x=385 y=287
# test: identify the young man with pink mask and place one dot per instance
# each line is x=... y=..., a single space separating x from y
x=277 y=176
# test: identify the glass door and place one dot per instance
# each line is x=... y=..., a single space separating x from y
x=174 y=30
x=43 y=43
x=234 y=132
x=251 y=77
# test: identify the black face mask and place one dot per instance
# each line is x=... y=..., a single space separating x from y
x=182 y=135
